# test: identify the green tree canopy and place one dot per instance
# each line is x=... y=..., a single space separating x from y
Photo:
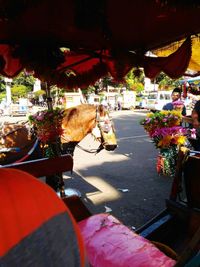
x=24 y=79
x=135 y=80
x=39 y=93
x=166 y=83
x=19 y=91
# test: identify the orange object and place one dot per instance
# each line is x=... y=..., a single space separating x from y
x=33 y=217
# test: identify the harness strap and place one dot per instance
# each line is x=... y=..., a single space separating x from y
x=92 y=151
x=29 y=153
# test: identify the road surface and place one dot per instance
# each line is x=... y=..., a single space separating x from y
x=125 y=181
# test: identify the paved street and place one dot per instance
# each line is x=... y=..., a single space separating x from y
x=104 y=179
x=124 y=181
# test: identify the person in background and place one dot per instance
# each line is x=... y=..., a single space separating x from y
x=176 y=102
x=195 y=123
x=104 y=103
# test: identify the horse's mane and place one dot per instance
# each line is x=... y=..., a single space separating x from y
x=78 y=121
x=79 y=112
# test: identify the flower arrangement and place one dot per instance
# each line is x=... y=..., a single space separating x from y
x=48 y=124
x=178 y=105
x=161 y=119
x=165 y=131
x=169 y=136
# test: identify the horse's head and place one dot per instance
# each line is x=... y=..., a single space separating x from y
x=15 y=138
x=104 y=130
x=84 y=119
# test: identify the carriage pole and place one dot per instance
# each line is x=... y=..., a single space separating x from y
x=56 y=181
x=48 y=95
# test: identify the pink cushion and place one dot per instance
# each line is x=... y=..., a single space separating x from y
x=109 y=243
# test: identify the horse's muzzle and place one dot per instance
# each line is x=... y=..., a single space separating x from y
x=110 y=147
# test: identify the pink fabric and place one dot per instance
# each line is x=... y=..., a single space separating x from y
x=111 y=244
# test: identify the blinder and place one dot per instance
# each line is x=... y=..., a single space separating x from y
x=104 y=131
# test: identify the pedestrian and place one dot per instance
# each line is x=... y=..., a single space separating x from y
x=119 y=103
x=195 y=123
x=177 y=103
x=104 y=103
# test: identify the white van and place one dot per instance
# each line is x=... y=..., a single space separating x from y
x=128 y=99
x=156 y=100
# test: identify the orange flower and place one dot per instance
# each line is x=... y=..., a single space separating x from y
x=165 y=142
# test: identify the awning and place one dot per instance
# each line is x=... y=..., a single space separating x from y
x=104 y=37
x=194 y=63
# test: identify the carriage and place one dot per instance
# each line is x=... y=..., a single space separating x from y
x=15 y=110
x=99 y=46
x=174 y=231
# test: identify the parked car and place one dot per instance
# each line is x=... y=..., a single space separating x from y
x=156 y=100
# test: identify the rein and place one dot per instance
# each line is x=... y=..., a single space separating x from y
x=91 y=151
x=29 y=152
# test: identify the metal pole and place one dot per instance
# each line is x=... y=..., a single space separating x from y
x=49 y=98
x=58 y=178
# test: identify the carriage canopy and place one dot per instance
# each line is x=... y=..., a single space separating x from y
x=72 y=43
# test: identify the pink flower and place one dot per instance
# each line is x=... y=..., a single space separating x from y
x=178 y=103
x=193 y=133
x=40 y=117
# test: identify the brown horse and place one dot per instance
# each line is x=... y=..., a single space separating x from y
x=77 y=123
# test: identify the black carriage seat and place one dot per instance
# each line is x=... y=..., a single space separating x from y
x=186 y=182
x=191 y=174
x=187 y=210
x=50 y=166
x=178 y=225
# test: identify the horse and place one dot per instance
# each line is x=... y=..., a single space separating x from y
x=17 y=144
x=77 y=123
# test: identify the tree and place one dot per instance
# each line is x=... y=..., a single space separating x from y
x=24 y=79
x=165 y=82
x=135 y=80
x=21 y=86
x=2 y=95
x=19 y=91
x=2 y=84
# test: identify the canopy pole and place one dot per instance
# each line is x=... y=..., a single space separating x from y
x=55 y=181
x=49 y=98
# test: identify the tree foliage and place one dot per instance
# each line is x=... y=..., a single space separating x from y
x=2 y=95
x=135 y=80
x=39 y=93
x=166 y=83
x=24 y=79
x=21 y=85
x=19 y=91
